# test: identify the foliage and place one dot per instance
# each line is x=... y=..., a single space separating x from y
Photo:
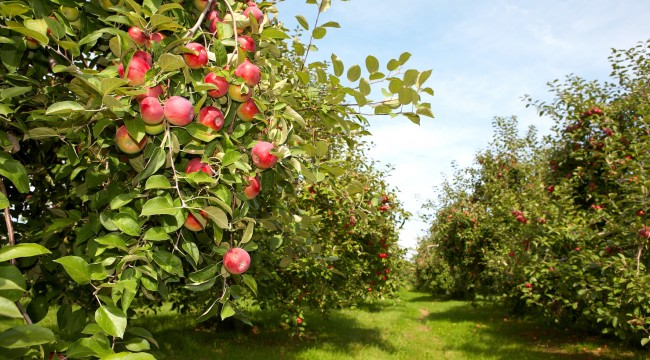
x=562 y=227
x=96 y=199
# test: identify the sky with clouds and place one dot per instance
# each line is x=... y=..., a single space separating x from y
x=485 y=55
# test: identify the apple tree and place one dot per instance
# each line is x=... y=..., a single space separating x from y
x=136 y=137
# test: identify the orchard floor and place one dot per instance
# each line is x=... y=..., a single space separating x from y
x=417 y=327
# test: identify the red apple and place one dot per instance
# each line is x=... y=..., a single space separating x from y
x=140 y=63
x=138 y=36
x=247 y=111
x=261 y=155
x=192 y=223
x=196 y=164
x=220 y=82
x=256 y=12
x=155 y=37
x=246 y=43
x=155 y=91
x=249 y=72
x=237 y=93
x=211 y=117
x=126 y=143
x=179 y=111
x=213 y=19
x=236 y=260
x=644 y=232
x=253 y=188
x=151 y=111
x=201 y=4
x=198 y=60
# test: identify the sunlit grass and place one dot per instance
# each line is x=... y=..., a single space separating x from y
x=417 y=327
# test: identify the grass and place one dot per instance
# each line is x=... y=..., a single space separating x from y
x=417 y=327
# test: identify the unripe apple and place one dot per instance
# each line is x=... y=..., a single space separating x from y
x=249 y=72
x=236 y=260
x=151 y=111
x=246 y=43
x=201 y=4
x=32 y=43
x=154 y=129
x=107 y=4
x=237 y=93
x=196 y=61
x=178 y=111
x=220 y=82
x=70 y=13
x=155 y=91
x=211 y=117
x=192 y=223
x=138 y=36
x=261 y=155
x=247 y=111
x=253 y=188
x=196 y=164
x=256 y=12
x=126 y=143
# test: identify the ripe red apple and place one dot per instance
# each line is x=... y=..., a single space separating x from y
x=384 y=208
x=201 y=4
x=155 y=37
x=213 y=19
x=261 y=155
x=383 y=255
x=299 y=321
x=155 y=91
x=211 y=117
x=640 y=212
x=236 y=260
x=255 y=12
x=529 y=285
x=196 y=164
x=644 y=232
x=253 y=188
x=140 y=63
x=126 y=143
x=237 y=93
x=249 y=72
x=138 y=36
x=198 y=60
x=220 y=82
x=192 y=223
x=247 y=111
x=178 y=111
x=246 y=43
x=151 y=111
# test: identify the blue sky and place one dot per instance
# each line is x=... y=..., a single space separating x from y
x=485 y=55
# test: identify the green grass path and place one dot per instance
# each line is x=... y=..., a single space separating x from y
x=417 y=327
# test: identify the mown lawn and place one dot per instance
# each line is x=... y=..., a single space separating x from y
x=417 y=327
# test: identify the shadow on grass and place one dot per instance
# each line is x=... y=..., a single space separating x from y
x=491 y=333
x=180 y=338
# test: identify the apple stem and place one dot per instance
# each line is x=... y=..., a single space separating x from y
x=199 y=21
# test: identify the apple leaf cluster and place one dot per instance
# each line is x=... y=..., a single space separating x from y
x=143 y=144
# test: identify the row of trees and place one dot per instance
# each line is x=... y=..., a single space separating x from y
x=143 y=141
x=559 y=227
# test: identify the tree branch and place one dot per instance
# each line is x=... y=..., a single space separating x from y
x=199 y=21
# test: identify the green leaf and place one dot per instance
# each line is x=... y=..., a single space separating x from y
x=156 y=234
x=303 y=22
x=372 y=64
x=274 y=33
x=227 y=311
x=354 y=72
x=338 y=65
x=9 y=309
x=319 y=32
x=109 y=84
x=157 y=182
x=230 y=157
x=220 y=53
x=292 y=115
x=248 y=233
x=170 y=62
x=127 y=224
x=112 y=320
x=161 y=205
x=4 y=202
x=15 y=172
x=204 y=274
x=168 y=262
x=112 y=241
x=129 y=356
x=26 y=335
x=12 y=282
x=364 y=87
x=97 y=346
x=324 y=5
x=250 y=282
x=41 y=133
x=77 y=268
x=22 y=250
x=123 y=199
x=201 y=132
x=137 y=344
x=218 y=216
x=410 y=77
x=64 y=107
x=404 y=57
x=422 y=78
x=8 y=93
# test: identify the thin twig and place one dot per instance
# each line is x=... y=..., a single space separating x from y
x=235 y=53
x=638 y=259
x=311 y=40
x=199 y=21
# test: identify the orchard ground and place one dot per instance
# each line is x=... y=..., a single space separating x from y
x=418 y=326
